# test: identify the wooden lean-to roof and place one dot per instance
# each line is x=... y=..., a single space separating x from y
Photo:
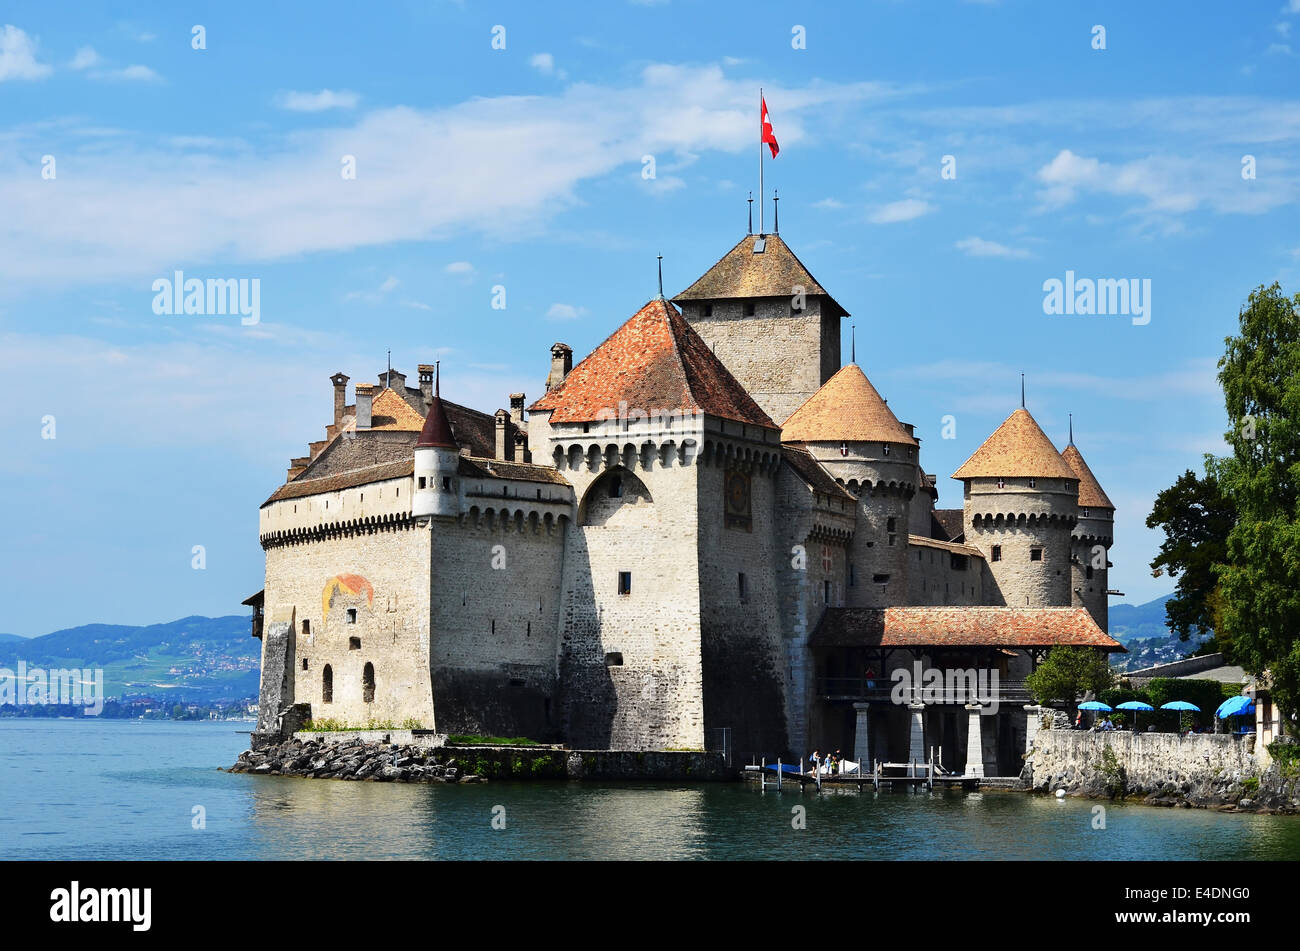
x=741 y=272
x=846 y=408
x=654 y=363
x=1017 y=449
x=1091 y=494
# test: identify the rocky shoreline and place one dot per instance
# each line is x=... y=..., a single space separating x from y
x=353 y=759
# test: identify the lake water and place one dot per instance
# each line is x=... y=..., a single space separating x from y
x=113 y=789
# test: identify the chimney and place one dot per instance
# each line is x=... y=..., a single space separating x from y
x=522 y=453
x=505 y=448
x=561 y=364
x=397 y=378
x=340 y=381
x=426 y=383
x=365 y=393
x=517 y=409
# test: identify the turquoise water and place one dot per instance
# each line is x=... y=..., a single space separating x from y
x=114 y=789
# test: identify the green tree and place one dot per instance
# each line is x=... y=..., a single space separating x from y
x=1196 y=519
x=1259 y=579
x=1068 y=672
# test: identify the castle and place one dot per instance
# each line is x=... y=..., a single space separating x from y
x=706 y=534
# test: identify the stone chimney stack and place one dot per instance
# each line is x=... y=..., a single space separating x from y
x=365 y=394
x=426 y=383
x=340 y=381
x=517 y=409
x=561 y=364
x=522 y=453
x=505 y=448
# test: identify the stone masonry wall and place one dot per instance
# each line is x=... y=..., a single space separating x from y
x=781 y=356
x=391 y=628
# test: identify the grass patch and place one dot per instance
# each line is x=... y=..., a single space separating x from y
x=340 y=726
x=462 y=739
x=1250 y=784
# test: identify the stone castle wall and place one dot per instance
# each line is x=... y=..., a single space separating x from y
x=780 y=355
x=390 y=626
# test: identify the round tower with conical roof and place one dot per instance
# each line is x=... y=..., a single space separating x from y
x=1020 y=506
x=848 y=427
x=437 y=464
x=1090 y=540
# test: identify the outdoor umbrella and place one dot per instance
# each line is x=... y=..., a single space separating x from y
x=1135 y=706
x=1181 y=706
x=1096 y=706
x=1235 y=706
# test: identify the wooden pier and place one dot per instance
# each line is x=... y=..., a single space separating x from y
x=912 y=774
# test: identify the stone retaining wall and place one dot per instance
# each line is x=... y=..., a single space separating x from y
x=1203 y=770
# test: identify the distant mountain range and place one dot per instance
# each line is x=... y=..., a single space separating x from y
x=1144 y=630
x=195 y=659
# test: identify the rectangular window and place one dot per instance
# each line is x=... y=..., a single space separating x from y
x=892 y=540
x=708 y=310
x=625 y=582
x=826 y=592
x=422 y=482
x=1035 y=554
x=1033 y=483
x=1088 y=572
x=304 y=663
x=885 y=446
x=352 y=615
x=741 y=586
x=614 y=659
x=1002 y=483
x=880 y=579
x=306 y=628
x=354 y=643
x=891 y=525
x=996 y=553
x=749 y=310
x=446 y=483
x=852 y=577
x=1085 y=513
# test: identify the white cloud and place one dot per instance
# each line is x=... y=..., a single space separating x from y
x=317 y=101
x=388 y=284
x=1283 y=27
x=133 y=73
x=416 y=305
x=474 y=167
x=903 y=210
x=542 y=62
x=85 y=58
x=459 y=267
x=1292 y=6
x=565 y=312
x=1278 y=49
x=828 y=203
x=18 y=56
x=979 y=248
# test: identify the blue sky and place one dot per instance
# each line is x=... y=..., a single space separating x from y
x=522 y=167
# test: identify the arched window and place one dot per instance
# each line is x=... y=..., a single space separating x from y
x=327 y=684
x=368 y=683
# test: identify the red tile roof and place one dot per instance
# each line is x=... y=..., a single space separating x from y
x=773 y=272
x=1017 y=448
x=961 y=627
x=1091 y=494
x=654 y=363
x=848 y=408
x=437 y=430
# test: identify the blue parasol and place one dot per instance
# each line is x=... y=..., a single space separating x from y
x=1235 y=706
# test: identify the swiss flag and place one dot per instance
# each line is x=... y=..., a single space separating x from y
x=768 y=135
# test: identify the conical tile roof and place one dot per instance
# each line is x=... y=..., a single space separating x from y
x=846 y=408
x=1091 y=494
x=1017 y=449
x=437 y=428
x=655 y=363
x=742 y=272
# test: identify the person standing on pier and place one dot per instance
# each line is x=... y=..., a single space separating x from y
x=816 y=760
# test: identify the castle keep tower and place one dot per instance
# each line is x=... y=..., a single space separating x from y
x=1090 y=541
x=849 y=429
x=1020 y=505
x=768 y=320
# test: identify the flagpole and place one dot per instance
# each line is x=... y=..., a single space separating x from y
x=762 y=199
